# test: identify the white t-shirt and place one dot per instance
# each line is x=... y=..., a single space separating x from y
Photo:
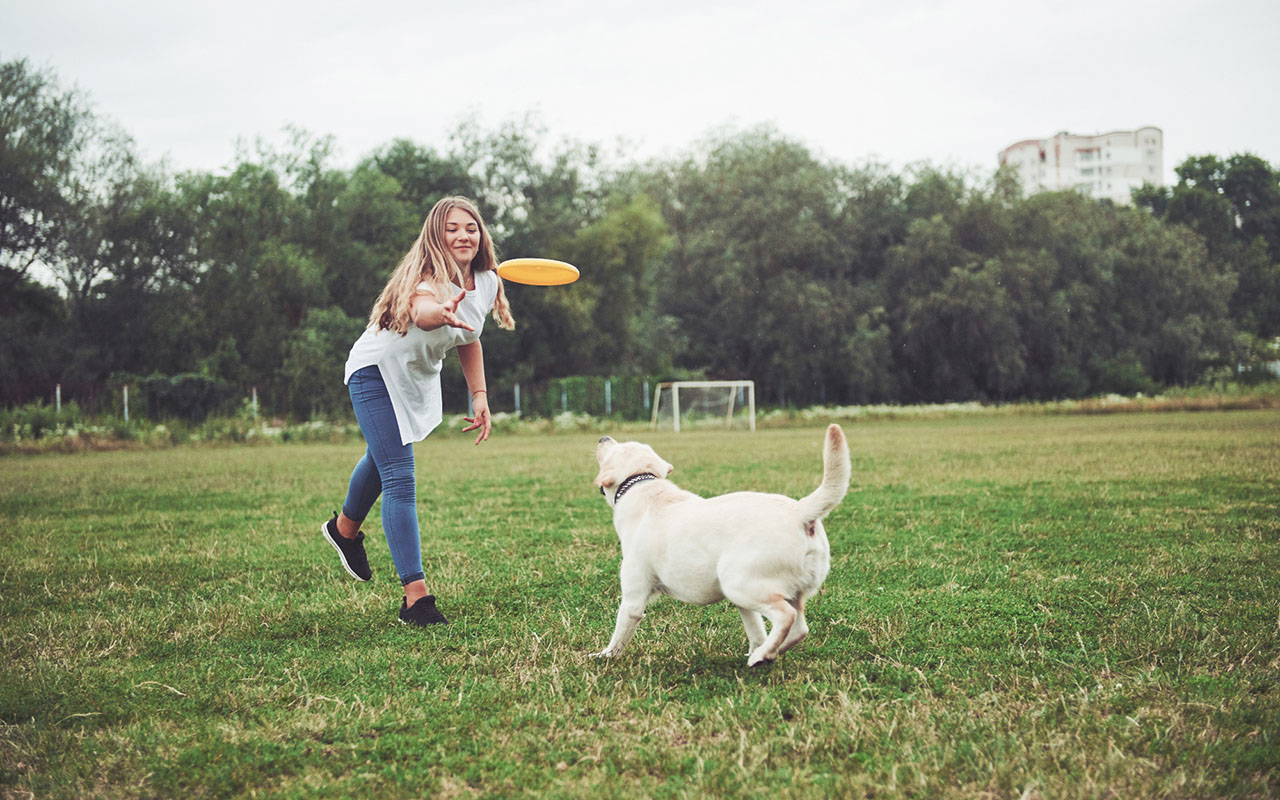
x=410 y=364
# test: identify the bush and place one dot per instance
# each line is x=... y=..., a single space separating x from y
x=1256 y=374
x=38 y=420
x=624 y=398
x=188 y=396
x=1124 y=377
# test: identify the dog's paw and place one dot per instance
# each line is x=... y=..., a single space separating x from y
x=759 y=659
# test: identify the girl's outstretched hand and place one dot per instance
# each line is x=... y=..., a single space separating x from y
x=429 y=314
x=481 y=421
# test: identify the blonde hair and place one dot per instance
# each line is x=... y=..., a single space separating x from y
x=429 y=260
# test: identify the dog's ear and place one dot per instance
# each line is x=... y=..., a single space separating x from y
x=605 y=479
x=654 y=464
x=661 y=468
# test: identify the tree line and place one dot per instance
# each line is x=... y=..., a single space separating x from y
x=747 y=256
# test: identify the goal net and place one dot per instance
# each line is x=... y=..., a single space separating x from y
x=682 y=405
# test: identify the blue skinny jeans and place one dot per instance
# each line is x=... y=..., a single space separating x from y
x=387 y=469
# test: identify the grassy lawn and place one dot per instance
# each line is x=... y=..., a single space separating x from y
x=1069 y=606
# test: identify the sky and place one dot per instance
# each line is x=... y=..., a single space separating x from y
x=889 y=81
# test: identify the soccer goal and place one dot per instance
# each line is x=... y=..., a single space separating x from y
x=687 y=404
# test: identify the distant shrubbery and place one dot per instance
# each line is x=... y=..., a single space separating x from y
x=188 y=396
x=38 y=428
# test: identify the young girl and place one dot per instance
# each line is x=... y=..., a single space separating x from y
x=435 y=301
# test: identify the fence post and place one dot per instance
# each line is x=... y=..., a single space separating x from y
x=564 y=400
x=57 y=398
x=255 y=402
x=125 y=390
x=646 y=398
x=517 y=398
x=608 y=397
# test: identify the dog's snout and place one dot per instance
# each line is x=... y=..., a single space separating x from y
x=604 y=439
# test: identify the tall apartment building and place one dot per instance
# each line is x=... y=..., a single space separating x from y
x=1106 y=166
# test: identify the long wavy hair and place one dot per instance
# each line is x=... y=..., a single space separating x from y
x=429 y=260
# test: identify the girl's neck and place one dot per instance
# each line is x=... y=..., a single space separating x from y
x=468 y=282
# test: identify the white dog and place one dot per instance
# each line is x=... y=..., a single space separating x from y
x=766 y=553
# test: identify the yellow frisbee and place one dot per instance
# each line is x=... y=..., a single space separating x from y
x=538 y=271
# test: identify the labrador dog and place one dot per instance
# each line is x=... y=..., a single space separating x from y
x=765 y=553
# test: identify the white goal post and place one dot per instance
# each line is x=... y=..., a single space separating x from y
x=724 y=393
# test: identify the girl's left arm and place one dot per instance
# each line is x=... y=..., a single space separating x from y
x=471 y=358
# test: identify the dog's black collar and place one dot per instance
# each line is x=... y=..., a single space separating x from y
x=626 y=485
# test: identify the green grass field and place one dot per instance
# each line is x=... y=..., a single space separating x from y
x=1068 y=606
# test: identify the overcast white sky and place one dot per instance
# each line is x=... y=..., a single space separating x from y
x=949 y=82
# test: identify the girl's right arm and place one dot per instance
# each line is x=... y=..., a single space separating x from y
x=428 y=313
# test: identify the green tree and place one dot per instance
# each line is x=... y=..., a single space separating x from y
x=620 y=253
x=759 y=252
x=373 y=226
x=1118 y=290
x=422 y=174
x=250 y=282
x=44 y=130
x=314 y=359
x=1234 y=204
x=962 y=342
x=33 y=344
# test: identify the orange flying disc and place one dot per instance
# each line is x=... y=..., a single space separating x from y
x=538 y=271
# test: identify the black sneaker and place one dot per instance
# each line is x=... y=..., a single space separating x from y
x=422 y=613
x=350 y=551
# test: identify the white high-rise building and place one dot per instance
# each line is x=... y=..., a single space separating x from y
x=1105 y=166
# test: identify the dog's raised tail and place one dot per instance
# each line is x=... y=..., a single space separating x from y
x=835 y=477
